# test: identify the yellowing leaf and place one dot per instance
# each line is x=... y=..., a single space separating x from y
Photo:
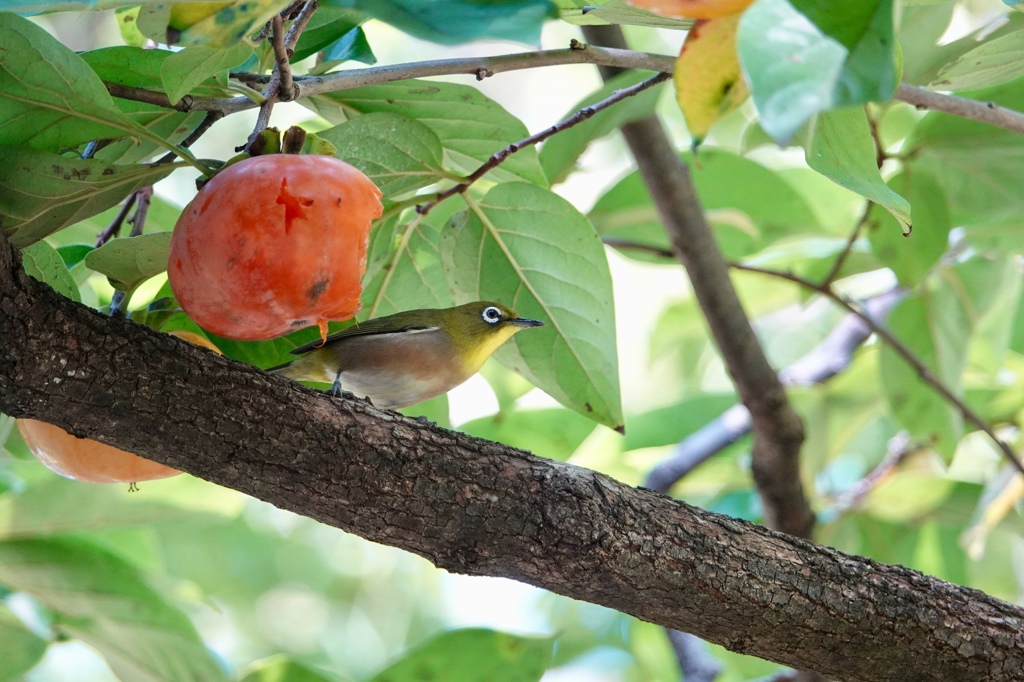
x=709 y=81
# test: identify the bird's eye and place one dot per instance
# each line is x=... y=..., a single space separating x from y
x=491 y=315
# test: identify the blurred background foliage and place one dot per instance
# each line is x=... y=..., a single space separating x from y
x=185 y=580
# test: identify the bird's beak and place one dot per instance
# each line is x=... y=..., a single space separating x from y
x=525 y=322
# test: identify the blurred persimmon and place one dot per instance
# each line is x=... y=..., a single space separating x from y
x=84 y=459
x=693 y=9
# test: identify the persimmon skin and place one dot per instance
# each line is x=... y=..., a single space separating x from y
x=272 y=244
x=84 y=459
x=693 y=9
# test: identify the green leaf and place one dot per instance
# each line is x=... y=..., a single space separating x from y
x=911 y=256
x=458 y=21
x=843 y=150
x=41 y=193
x=42 y=262
x=669 y=425
x=554 y=433
x=351 y=46
x=532 y=250
x=280 y=668
x=130 y=261
x=559 y=154
x=328 y=26
x=186 y=69
x=230 y=26
x=749 y=205
x=865 y=29
x=793 y=75
x=397 y=153
x=404 y=269
x=101 y=600
x=20 y=649
x=49 y=97
x=992 y=63
x=820 y=55
x=584 y=13
x=976 y=164
x=73 y=254
x=471 y=655
x=127 y=24
x=935 y=326
x=471 y=126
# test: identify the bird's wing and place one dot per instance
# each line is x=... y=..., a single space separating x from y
x=368 y=328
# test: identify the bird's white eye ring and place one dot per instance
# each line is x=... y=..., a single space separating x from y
x=491 y=315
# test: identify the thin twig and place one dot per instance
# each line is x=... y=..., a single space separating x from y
x=903 y=351
x=120 y=300
x=498 y=157
x=900 y=448
x=143 y=199
x=282 y=74
x=833 y=272
x=301 y=19
x=630 y=245
x=114 y=228
x=204 y=125
x=986 y=112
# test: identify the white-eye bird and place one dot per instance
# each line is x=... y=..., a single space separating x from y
x=408 y=357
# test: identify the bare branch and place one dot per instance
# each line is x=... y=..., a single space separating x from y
x=355 y=78
x=985 y=112
x=499 y=156
x=904 y=352
x=840 y=260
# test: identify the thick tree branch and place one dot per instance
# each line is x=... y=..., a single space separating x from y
x=481 y=508
x=778 y=430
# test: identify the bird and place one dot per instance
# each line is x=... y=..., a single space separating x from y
x=402 y=359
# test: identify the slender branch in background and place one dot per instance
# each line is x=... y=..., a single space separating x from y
x=695 y=661
x=630 y=245
x=901 y=349
x=778 y=430
x=830 y=357
x=141 y=198
x=840 y=260
x=498 y=157
x=900 y=448
x=986 y=112
x=114 y=228
x=200 y=130
x=876 y=136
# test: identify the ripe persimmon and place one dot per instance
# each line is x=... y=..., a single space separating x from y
x=84 y=459
x=693 y=9
x=274 y=243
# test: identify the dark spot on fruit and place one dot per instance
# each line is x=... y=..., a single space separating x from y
x=299 y=323
x=339 y=201
x=292 y=203
x=317 y=289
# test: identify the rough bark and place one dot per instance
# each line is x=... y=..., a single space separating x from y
x=482 y=508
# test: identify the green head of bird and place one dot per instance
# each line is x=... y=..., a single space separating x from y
x=480 y=328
